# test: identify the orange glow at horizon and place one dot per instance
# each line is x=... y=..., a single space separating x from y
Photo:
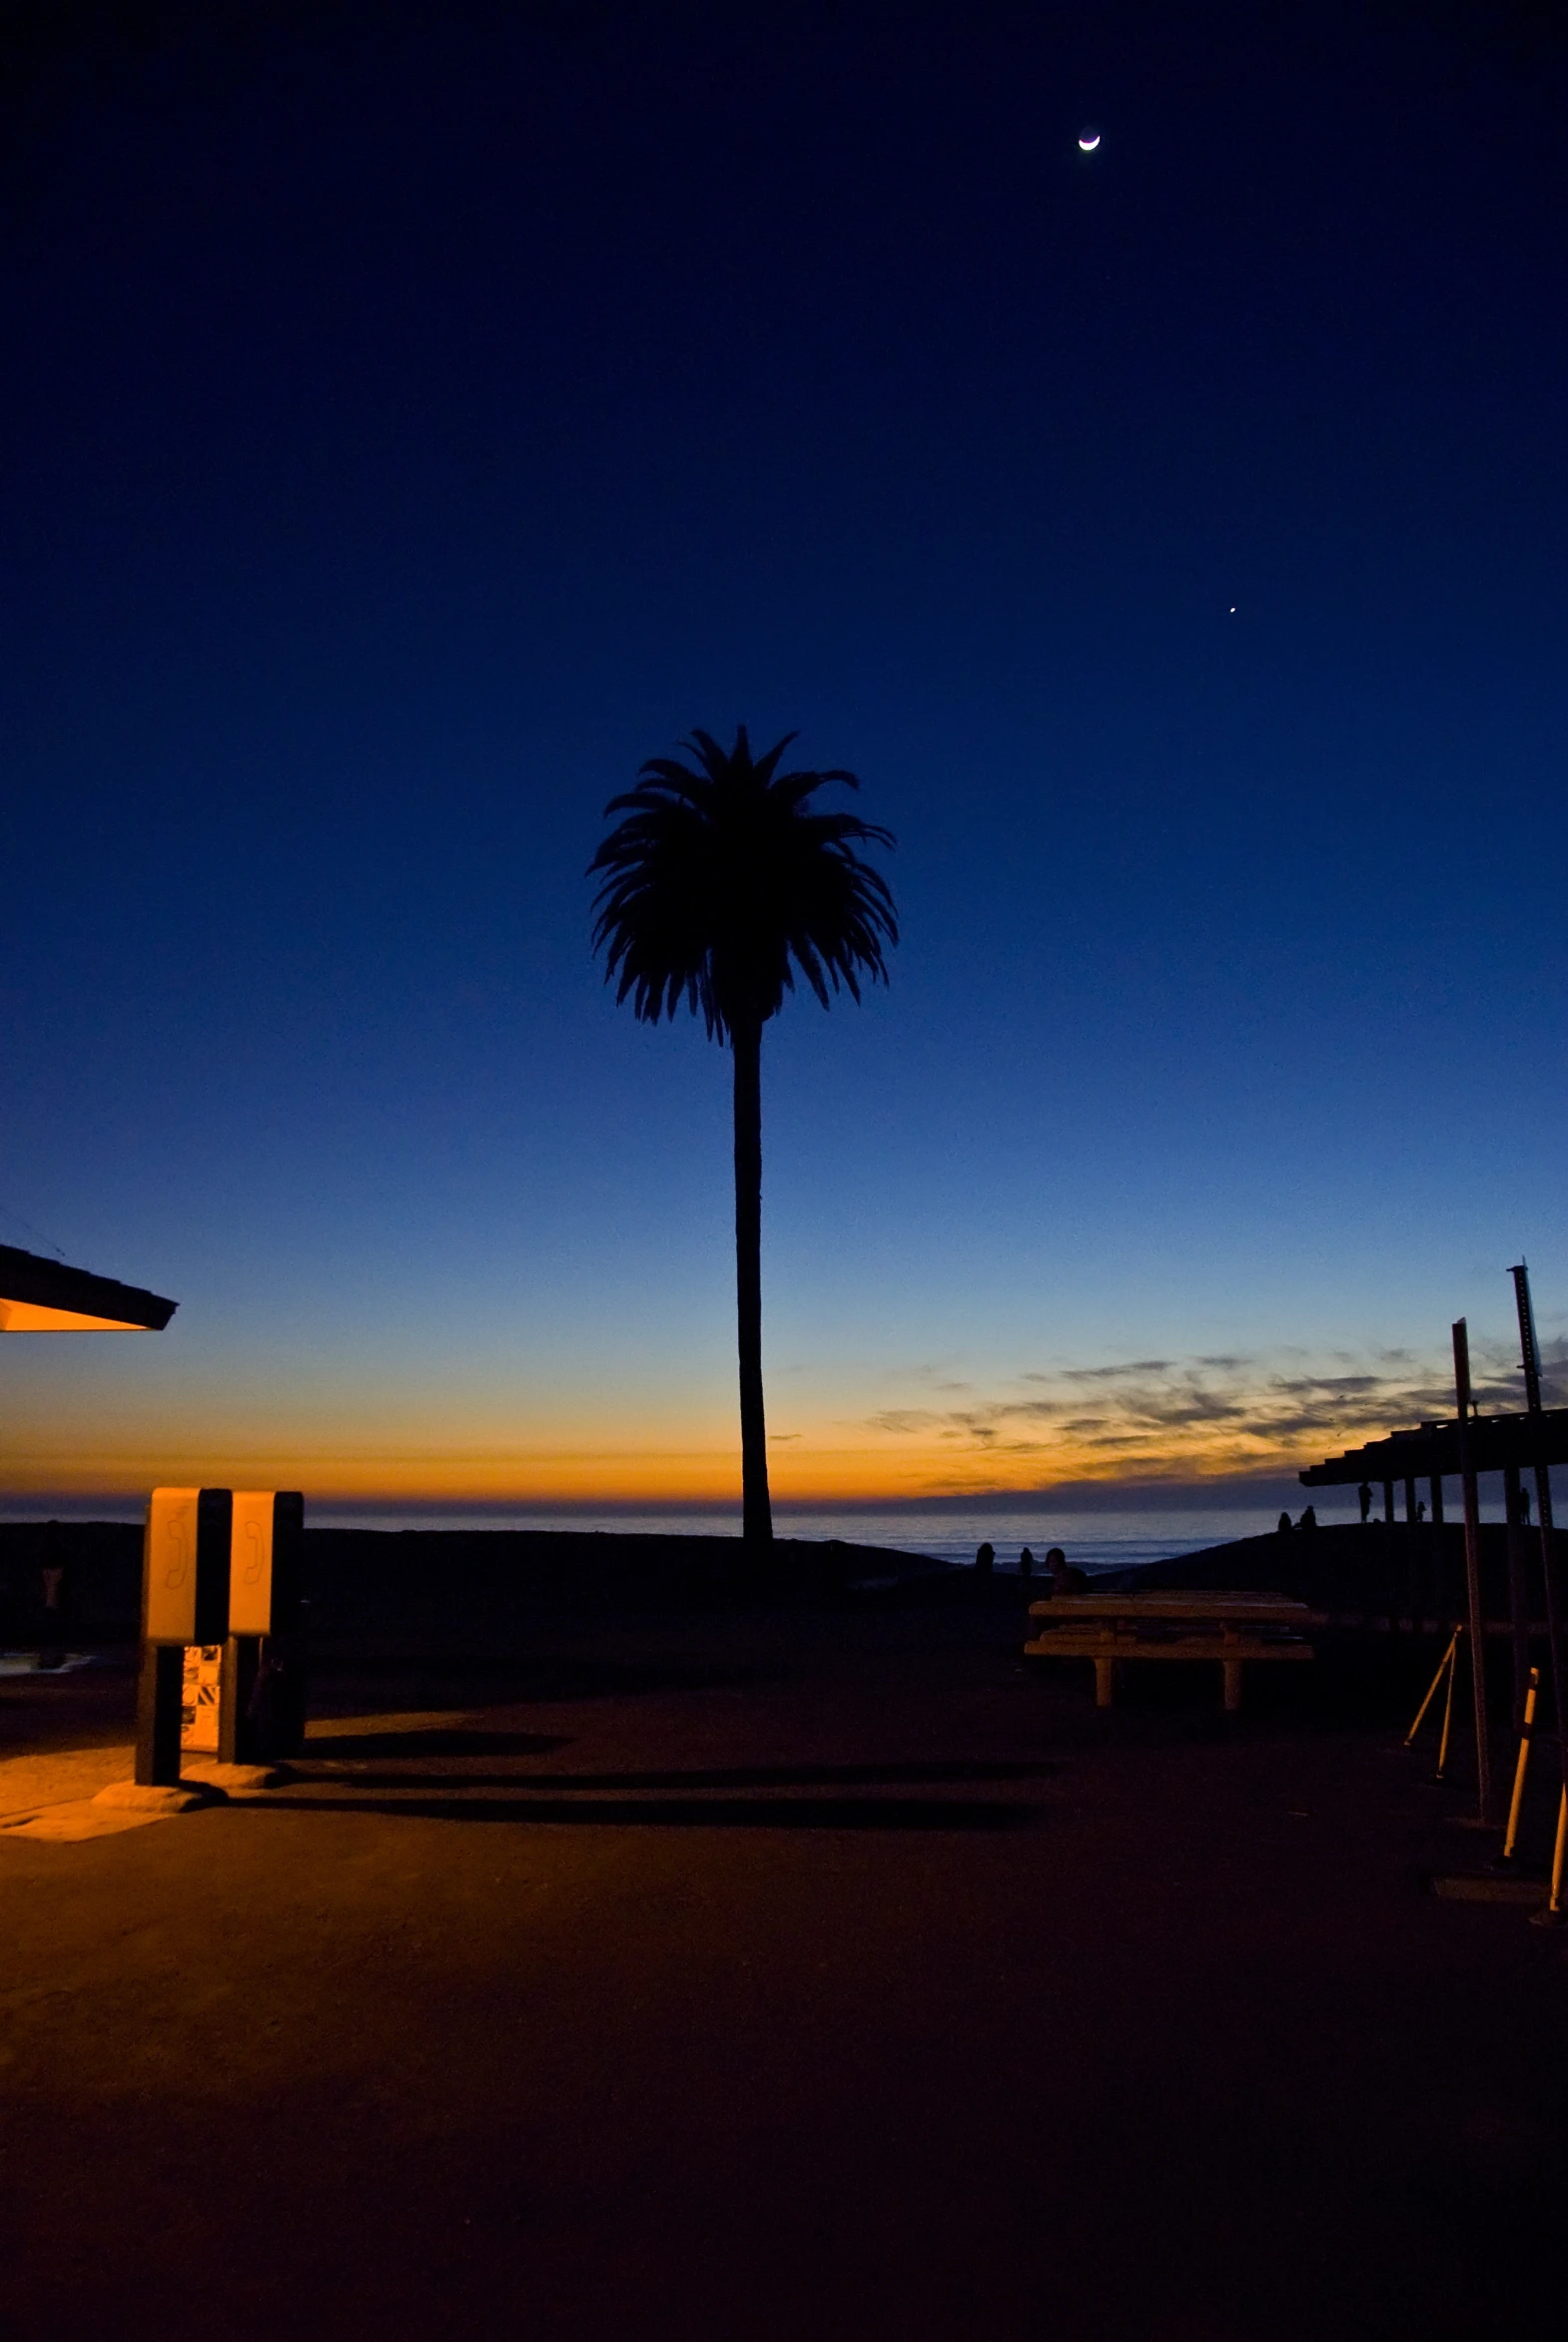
x=477 y=1437
x=887 y=1471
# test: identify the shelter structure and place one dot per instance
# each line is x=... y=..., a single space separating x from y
x=46 y=1296
x=1511 y=1444
x=1467 y=1445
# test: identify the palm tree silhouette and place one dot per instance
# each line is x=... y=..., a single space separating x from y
x=719 y=884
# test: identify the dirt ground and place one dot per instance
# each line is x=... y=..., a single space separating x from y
x=776 y=1972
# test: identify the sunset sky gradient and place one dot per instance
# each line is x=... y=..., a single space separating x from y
x=415 y=418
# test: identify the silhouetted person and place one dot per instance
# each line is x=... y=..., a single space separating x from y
x=1364 y=1494
x=52 y=1598
x=1420 y=1510
x=1286 y=1527
x=1065 y=1577
x=1025 y=1564
x=984 y=1560
x=1308 y=1519
x=1524 y=1508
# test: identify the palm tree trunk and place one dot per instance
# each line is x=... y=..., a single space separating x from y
x=756 y=1511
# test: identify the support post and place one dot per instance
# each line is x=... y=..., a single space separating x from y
x=1518 y=1598
x=170 y=1554
x=1405 y=1587
x=1388 y=1502
x=237 y=1687
x=159 y=1694
x=1472 y=1571
x=1531 y=1352
x=1437 y=1485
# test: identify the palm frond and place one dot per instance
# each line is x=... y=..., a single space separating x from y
x=720 y=885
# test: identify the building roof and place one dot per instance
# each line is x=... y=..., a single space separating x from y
x=1496 y=1441
x=45 y=1296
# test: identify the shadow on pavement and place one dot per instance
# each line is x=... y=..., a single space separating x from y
x=761 y=1813
x=731 y=1776
x=431 y=1741
x=536 y=1676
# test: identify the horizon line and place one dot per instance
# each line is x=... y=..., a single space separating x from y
x=1231 y=1493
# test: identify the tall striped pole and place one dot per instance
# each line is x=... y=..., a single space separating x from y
x=1473 y=1572
x=1530 y=1353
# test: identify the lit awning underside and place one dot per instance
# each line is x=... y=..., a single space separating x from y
x=45 y=1296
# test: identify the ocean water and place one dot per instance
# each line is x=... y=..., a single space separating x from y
x=1094 y=1541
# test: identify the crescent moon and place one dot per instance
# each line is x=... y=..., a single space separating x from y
x=1089 y=141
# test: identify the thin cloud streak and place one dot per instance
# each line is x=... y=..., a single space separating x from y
x=1206 y=1417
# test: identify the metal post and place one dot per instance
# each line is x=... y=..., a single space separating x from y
x=1531 y=1352
x=1388 y=1502
x=1473 y=1572
x=157 y=1705
x=1435 y=1594
x=169 y=1558
x=1405 y=1590
x=236 y=1726
x=1518 y=1599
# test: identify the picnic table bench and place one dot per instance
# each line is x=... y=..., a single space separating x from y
x=1230 y=1628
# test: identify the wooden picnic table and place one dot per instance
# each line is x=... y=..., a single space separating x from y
x=1230 y=1628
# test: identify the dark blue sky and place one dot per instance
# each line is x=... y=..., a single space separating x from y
x=415 y=417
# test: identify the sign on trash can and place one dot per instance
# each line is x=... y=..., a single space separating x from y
x=199 y=1690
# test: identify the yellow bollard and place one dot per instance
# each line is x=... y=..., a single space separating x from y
x=1446 y=1666
x=1448 y=1707
x=1552 y=1915
x=1517 y=1800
